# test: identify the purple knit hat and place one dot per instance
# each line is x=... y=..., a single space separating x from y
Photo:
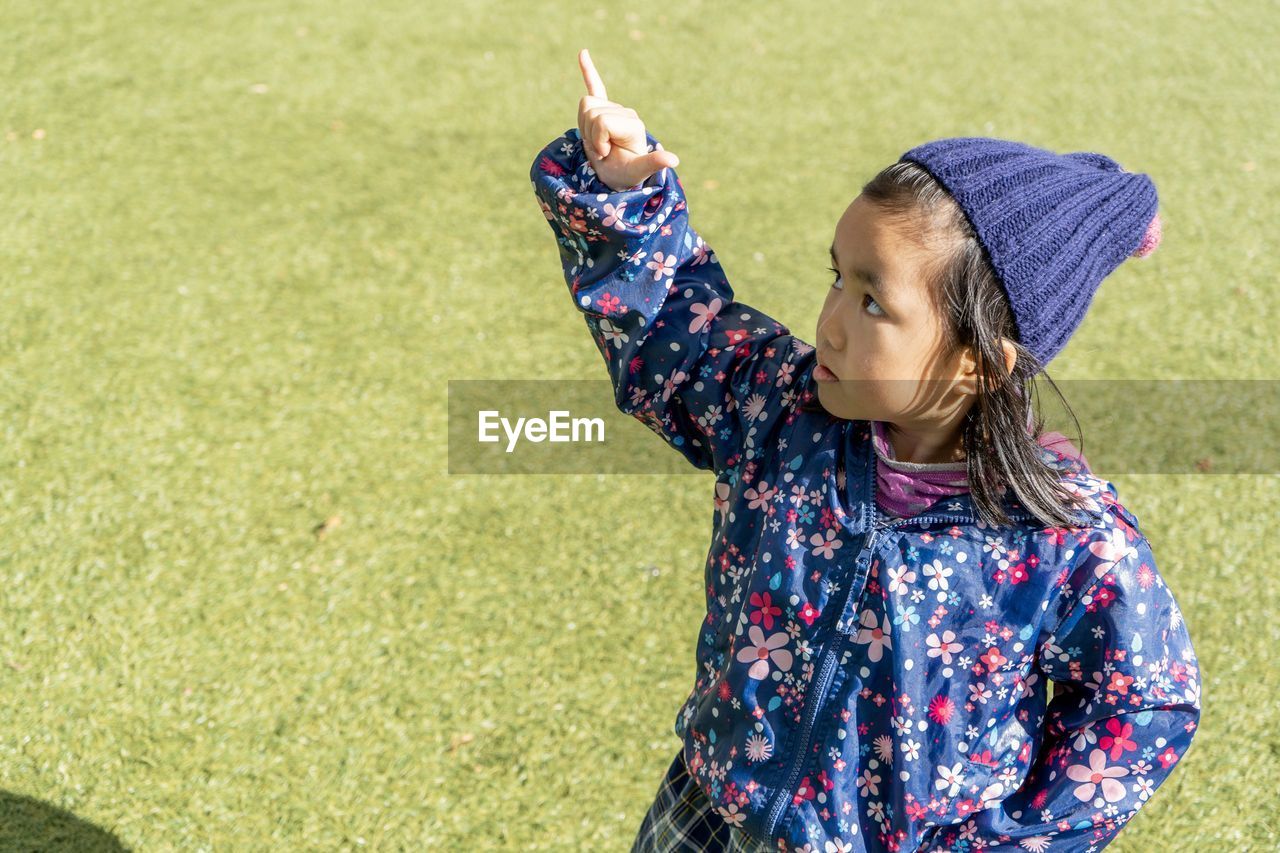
x=1053 y=225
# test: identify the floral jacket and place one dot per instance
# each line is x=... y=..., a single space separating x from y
x=868 y=684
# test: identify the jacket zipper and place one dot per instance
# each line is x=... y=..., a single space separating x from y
x=826 y=668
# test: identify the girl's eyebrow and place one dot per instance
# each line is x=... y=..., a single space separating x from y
x=876 y=282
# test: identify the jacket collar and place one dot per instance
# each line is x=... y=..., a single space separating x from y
x=860 y=491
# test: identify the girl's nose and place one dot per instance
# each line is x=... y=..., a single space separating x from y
x=829 y=330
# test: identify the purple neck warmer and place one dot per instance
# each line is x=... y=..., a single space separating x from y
x=907 y=488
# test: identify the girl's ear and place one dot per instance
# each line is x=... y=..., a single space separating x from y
x=1010 y=355
x=967 y=375
x=968 y=369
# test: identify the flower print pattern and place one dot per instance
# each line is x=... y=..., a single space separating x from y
x=765 y=653
x=754 y=408
x=1098 y=777
x=907 y=617
x=763 y=610
x=612 y=335
x=759 y=497
x=943 y=645
x=825 y=545
x=874 y=634
x=1117 y=738
x=979 y=693
x=663 y=264
x=1110 y=550
x=900 y=579
x=703 y=314
x=866 y=687
x=950 y=779
x=937 y=573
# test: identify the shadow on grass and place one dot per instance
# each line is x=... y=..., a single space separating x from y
x=27 y=824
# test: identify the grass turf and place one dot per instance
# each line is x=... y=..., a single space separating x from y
x=246 y=246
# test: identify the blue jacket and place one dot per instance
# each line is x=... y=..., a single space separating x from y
x=867 y=684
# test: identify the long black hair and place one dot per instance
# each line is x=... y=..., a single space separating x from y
x=1001 y=451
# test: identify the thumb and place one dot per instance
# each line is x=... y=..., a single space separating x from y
x=665 y=159
x=653 y=162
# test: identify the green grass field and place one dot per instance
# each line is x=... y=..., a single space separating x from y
x=245 y=246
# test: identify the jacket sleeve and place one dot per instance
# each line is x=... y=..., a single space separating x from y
x=1126 y=706
x=710 y=375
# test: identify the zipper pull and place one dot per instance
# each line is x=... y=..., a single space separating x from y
x=848 y=622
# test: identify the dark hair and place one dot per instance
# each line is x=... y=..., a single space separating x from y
x=966 y=291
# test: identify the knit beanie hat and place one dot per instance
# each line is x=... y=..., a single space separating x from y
x=1053 y=225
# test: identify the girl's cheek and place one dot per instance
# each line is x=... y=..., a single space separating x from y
x=896 y=355
x=874 y=357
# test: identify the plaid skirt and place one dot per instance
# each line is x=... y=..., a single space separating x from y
x=682 y=819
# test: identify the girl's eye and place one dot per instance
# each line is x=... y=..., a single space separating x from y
x=838 y=284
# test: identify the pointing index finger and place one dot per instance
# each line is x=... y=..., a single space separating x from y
x=595 y=86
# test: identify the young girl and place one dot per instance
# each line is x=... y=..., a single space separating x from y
x=900 y=564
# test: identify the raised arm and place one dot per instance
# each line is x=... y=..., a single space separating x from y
x=713 y=377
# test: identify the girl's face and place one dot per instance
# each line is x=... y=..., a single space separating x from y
x=880 y=334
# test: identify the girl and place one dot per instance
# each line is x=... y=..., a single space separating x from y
x=900 y=563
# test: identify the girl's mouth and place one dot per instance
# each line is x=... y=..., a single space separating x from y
x=823 y=374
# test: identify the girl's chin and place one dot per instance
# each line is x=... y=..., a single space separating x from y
x=834 y=403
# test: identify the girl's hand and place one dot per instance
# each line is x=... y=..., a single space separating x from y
x=613 y=136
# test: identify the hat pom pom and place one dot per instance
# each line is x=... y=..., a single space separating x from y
x=1150 y=240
